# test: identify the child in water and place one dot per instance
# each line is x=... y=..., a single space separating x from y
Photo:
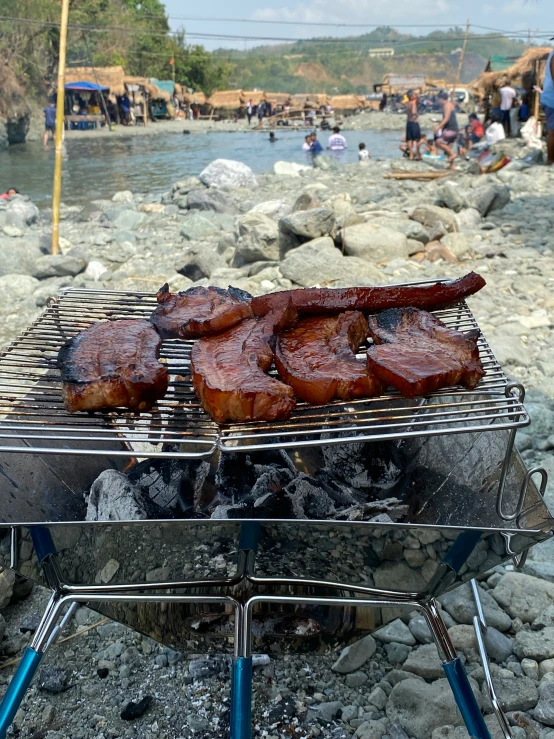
x=363 y=153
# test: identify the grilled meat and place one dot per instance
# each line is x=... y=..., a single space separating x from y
x=113 y=364
x=317 y=359
x=199 y=311
x=417 y=354
x=334 y=300
x=229 y=371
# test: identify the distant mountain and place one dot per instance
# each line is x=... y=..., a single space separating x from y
x=345 y=65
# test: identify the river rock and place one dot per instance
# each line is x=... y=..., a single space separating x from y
x=523 y=596
x=325 y=712
x=458 y=244
x=198 y=262
x=95 y=270
x=544 y=710
x=183 y=187
x=17 y=287
x=468 y=219
x=196 y=227
x=272 y=208
x=410 y=229
x=58 y=265
x=395 y=631
x=21 y=212
x=289 y=169
x=18 y=256
x=374 y=243
x=398 y=576
x=371 y=730
x=425 y=662
x=450 y=196
x=123 y=196
x=420 y=708
x=459 y=603
x=210 y=200
x=128 y=220
x=309 y=224
x=355 y=655
x=514 y=693
x=7 y=582
x=228 y=173
x=538 y=645
x=430 y=215
x=420 y=629
x=258 y=238
x=488 y=198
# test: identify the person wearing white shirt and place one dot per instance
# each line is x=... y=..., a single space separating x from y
x=363 y=153
x=495 y=132
x=507 y=97
x=336 y=141
x=307 y=145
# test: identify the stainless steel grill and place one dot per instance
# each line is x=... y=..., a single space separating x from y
x=32 y=416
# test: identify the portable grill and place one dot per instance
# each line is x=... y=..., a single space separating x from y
x=202 y=585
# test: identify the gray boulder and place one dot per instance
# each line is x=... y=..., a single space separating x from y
x=272 y=208
x=514 y=694
x=538 y=645
x=198 y=262
x=325 y=712
x=320 y=262
x=371 y=730
x=196 y=227
x=355 y=655
x=459 y=603
x=374 y=243
x=488 y=198
x=7 y=582
x=258 y=238
x=17 y=287
x=309 y=224
x=183 y=187
x=228 y=173
x=21 y=212
x=128 y=220
x=544 y=711
x=123 y=196
x=430 y=215
x=326 y=163
x=420 y=708
x=210 y=200
x=419 y=628
x=398 y=576
x=58 y=265
x=523 y=596
x=410 y=229
x=424 y=662
x=450 y=196
x=18 y=256
x=395 y=631
x=458 y=244
x=468 y=219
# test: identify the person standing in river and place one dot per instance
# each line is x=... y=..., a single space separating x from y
x=413 y=133
x=249 y=111
x=547 y=101
x=49 y=122
x=447 y=130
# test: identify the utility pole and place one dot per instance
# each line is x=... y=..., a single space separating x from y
x=60 y=110
x=462 y=55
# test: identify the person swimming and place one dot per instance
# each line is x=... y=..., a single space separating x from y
x=272 y=138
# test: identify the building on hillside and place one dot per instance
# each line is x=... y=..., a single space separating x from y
x=381 y=52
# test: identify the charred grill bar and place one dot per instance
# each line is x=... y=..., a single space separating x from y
x=203 y=584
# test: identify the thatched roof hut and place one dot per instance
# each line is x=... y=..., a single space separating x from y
x=149 y=87
x=277 y=98
x=488 y=82
x=348 y=103
x=257 y=96
x=195 y=98
x=529 y=67
x=112 y=77
x=226 y=100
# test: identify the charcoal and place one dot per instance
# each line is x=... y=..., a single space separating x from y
x=392 y=508
x=113 y=498
x=274 y=505
x=341 y=494
x=171 y=482
x=54 y=680
x=376 y=466
x=309 y=500
x=235 y=475
x=271 y=480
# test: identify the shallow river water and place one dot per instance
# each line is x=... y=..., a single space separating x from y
x=97 y=168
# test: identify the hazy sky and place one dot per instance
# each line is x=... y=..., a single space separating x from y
x=509 y=15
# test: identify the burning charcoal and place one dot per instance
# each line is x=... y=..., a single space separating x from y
x=135 y=710
x=274 y=505
x=171 y=482
x=308 y=500
x=391 y=507
x=341 y=494
x=113 y=498
x=235 y=475
x=274 y=479
x=226 y=511
x=54 y=680
x=376 y=466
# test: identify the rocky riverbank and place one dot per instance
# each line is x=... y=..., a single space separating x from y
x=331 y=226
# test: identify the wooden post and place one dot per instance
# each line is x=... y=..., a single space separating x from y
x=536 y=101
x=461 y=59
x=60 y=110
x=145 y=106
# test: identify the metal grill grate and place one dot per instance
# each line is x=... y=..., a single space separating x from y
x=33 y=419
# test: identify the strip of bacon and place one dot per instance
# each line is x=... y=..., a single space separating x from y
x=320 y=301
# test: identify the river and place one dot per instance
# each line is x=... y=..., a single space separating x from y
x=98 y=168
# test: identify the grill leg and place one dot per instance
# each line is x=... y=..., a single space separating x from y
x=456 y=675
x=241 y=678
x=29 y=664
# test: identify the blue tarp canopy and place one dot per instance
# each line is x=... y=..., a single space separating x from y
x=165 y=85
x=85 y=87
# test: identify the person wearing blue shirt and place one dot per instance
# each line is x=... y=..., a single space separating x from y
x=315 y=146
x=547 y=100
x=49 y=122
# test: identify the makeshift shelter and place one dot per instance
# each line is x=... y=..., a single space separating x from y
x=109 y=77
x=84 y=104
x=277 y=99
x=195 y=98
x=226 y=103
x=348 y=103
x=257 y=97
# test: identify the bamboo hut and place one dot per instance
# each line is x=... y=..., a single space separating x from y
x=226 y=103
x=257 y=97
x=195 y=98
x=277 y=99
x=111 y=77
x=348 y=104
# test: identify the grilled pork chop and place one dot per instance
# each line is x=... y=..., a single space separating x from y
x=229 y=371
x=113 y=364
x=320 y=301
x=417 y=354
x=199 y=311
x=317 y=359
